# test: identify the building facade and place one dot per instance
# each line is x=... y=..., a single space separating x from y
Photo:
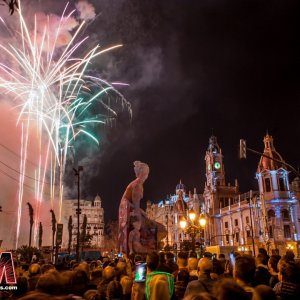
x=268 y=217
x=169 y=211
x=95 y=221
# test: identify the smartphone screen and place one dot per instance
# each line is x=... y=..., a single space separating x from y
x=140 y=272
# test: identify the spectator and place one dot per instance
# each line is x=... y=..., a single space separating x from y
x=262 y=274
x=288 y=286
x=162 y=265
x=22 y=284
x=181 y=282
x=263 y=292
x=264 y=252
x=273 y=269
x=50 y=283
x=171 y=261
x=126 y=283
x=243 y=272
x=159 y=285
x=222 y=261
x=182 y=262
x=201 y=296
x=204 y=282
x=107 y=276
x=289 y=255
x=114 y=290
x=228 y=289
x=34 y=273
x=192 y=267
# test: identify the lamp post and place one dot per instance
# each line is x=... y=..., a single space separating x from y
x=78 y=210
x=189 y=225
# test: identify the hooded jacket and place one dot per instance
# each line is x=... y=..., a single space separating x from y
x=159 y=285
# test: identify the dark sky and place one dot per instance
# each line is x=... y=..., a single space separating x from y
x=192 y=66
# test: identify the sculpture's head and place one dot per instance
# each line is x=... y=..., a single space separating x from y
x=137 y=224
x=141 y=170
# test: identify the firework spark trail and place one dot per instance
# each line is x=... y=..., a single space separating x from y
x=52 y=95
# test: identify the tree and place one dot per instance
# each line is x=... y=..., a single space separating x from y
x=53 y=228
x=30 y=221
x=83 y=232
x=40 y=235
x=111 y=235
x=12 y=5
x=70 y=228
x=27 y=253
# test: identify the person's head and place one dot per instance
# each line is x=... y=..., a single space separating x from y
x=264 y=252
x=183 y=276
x=228 y=289
x=79 y=282
x=137 y=224
x=126 y=283
x=170 y=257
x=108 y=273
x=193 y=254
x=34 y=269
x=207 y=255
x=162 y=259
x=273 y=262
x=289 y=255
x=288 y=272
x=182 y=260
x=141 y=170
x=50 y=283
x=200 y=296
x=260 y=259
x=22 y=289
x=114 y=290
x=221 y=256
x=192 y=263
x=244 y=268
x=263 y=292
x=90 y=295
x=96 y=274
x=152 y=261
x=46 y=267
x=121 y=266
x=205 y=266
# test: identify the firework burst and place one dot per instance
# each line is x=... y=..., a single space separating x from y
x=53 y=92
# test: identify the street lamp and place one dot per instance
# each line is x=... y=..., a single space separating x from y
x=190 y=226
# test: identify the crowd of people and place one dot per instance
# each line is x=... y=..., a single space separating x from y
x=184 y=276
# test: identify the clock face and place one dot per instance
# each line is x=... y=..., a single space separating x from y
x=217 y=165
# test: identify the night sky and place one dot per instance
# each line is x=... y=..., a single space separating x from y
x=227 y=67
x=194 y=67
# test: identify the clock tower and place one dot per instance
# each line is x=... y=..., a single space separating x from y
x=216 y=193
x=215 y=173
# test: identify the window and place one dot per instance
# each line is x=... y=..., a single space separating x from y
x=248 y=232
x=287 y=231
x=281 y=184
x=226 y=224
x=236 y=222
x=227 y=238
x=271 y=214
x=226 y=202
x=247 y=219
x=237 y=236
x=271 y=232
x=285 y=214
x=268 y=184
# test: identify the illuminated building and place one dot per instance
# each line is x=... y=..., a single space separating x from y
x=95 y=220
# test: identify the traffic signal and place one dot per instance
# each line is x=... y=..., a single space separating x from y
x=243 y=148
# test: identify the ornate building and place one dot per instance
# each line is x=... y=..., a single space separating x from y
x=169 y=211
x=95 y=220
x=266 y=218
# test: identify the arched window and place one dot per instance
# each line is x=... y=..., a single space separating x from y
x=268 y=184
x=287 y=231
x=271 y=214
x=281 y=184
x=271 y=231
x=285 y=215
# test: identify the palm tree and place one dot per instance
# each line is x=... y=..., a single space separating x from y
x=53 y=228
x=30 y=221
x=70 y=227
x=40 y=235
x=12 y=5
x=83 y=232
